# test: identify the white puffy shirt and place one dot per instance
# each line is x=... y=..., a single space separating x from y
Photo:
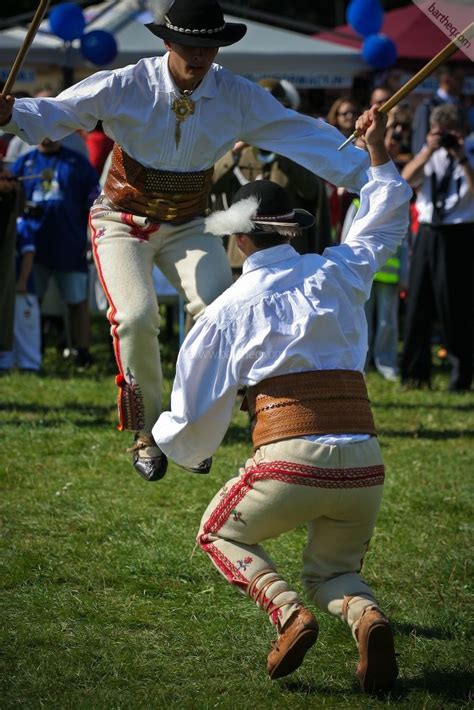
x=287 y=313
x=135 y=102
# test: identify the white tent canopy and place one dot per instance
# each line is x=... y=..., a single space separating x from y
x=264 y=51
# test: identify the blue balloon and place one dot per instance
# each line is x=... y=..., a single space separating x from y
x=365 y=16
x=99 y=47
x=67 y=21
x=379 y=51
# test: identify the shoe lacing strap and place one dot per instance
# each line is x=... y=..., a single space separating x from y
x=142 y=442
x=259 y=595
x=345 y=607
x=372 y=607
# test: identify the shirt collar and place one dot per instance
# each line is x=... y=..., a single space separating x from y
x=447 y=97
x=207 y=87
x=267 y=257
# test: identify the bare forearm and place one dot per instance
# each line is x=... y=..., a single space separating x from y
x=413 y=171
x=378 y=154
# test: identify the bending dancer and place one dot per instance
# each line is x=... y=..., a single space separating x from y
x=171 y=118
x=293 y=330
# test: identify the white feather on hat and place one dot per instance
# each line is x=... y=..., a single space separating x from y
x=235 y=220
x=160 y=8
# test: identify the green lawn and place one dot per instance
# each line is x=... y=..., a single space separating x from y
x=106 y=603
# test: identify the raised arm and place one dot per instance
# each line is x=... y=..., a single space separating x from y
x=382 y=219
x=311 y=142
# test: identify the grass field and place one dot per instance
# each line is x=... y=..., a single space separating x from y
x=105 y=603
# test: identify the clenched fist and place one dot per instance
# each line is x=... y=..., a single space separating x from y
x=6 y=108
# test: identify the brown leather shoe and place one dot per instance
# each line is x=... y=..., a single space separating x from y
x=297 y=636
x=377 y=669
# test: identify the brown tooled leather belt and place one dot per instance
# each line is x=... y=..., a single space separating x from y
x=160 y=195
x=305 y=403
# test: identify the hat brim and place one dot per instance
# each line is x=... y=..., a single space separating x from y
x=303 y=218
x=232 y=33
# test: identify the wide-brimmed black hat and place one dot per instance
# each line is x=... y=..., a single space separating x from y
x=260 y=206
x=199 y=23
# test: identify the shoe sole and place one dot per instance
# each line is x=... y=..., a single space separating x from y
x=295 y=654
x=382 y=670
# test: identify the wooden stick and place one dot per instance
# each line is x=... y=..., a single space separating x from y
x=418 y=78
x=20 y=57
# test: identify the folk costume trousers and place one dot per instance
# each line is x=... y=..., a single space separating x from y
x=334 y=490
x=125 y=248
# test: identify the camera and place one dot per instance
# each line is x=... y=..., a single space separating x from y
x=448 y=140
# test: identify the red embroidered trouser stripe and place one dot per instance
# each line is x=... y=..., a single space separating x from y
x=126 y=247
x=339 y=505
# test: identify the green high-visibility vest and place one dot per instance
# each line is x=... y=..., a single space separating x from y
x=390 y=271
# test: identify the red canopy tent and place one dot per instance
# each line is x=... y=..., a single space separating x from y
x=417 y=38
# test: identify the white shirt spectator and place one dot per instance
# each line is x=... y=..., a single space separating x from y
x=459 y=203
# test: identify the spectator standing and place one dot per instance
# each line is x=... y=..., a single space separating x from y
x=26 y=351
x=59 y=191
x=10 y=199
x=342 y=115
x=442 y=263
x=379 y=95
x=449 y=91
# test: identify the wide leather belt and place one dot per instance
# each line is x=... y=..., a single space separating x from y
x=305 y=403
x=160 y=195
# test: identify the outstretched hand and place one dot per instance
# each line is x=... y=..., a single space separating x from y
x=6 y=108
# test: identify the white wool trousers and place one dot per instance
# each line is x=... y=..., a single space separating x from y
x=125 y=247
x=335 y=491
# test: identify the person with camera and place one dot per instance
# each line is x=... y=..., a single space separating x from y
x=441 y=267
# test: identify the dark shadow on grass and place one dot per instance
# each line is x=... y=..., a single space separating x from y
x=86 y=414
x=422 y=631
x=303 y=687
x=237 y=434
x=429 y=434
x=464 y=407
x=448 y=685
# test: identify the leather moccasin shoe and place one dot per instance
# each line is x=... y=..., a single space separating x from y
x=377 y=669
x=148 y=459
x=296 y=637
x=204 y=467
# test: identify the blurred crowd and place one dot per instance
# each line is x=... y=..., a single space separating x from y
x=46 y=193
